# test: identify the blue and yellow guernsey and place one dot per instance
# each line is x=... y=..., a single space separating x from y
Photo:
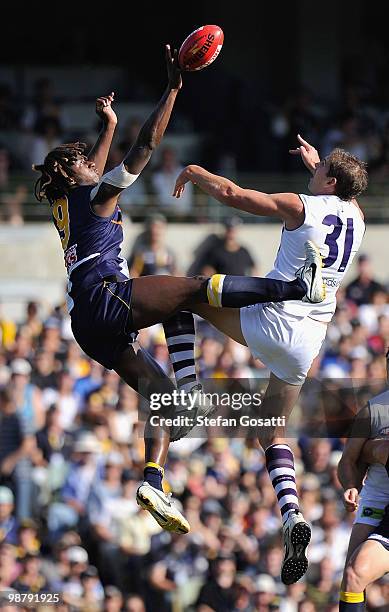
x=91 y=244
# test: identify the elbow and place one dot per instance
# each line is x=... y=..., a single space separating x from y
x=230 y=192
x=147 y=141
x=343 y=462
x=230 y=197
x=152 y=144
x=148 y=147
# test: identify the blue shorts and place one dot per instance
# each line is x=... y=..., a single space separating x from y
x=102 y=321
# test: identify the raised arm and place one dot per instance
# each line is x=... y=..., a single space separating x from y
x=149 y=137
x=153 y=129
x=100 y=151
x=286 y=206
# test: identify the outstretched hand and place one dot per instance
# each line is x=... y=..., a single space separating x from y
x=104 y=109
x=181 y=181
x=308 y=153
x=173 y=68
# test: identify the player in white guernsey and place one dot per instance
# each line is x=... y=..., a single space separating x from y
x=368 y=553
x=288 y=336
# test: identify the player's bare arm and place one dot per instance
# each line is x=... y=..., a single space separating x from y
x=154 y=128
x=308 y=153
x=148 y=139
x=286 y=206
x=351 y=468
x=100 y=151
x=376 y=451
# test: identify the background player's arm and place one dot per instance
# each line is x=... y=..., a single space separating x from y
x=100 y=151
x=286 y=206
x=308 y=153
x=148 y=139
x=351 y=469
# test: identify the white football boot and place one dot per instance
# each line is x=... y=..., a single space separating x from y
x=310 y=274
x=203 y=407
x=296 y=535
x=162 y=508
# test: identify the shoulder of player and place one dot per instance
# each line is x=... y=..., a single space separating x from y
x=82 y=197
x=327 y=200
x=290 y=209
x=359 y=209
x=79 y=192
x=382 y=399
x=80 y=189
x=290 y=203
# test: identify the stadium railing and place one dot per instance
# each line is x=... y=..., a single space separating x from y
x=375 y=203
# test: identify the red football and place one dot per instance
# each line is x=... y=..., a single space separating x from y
x=201 y=48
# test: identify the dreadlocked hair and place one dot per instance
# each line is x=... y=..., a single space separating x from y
x=56 y=173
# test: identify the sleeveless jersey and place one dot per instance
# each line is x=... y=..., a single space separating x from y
x=376 y=486
x=337 y=228
x=91 y=244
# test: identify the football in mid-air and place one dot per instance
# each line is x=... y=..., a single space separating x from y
x=201 y=48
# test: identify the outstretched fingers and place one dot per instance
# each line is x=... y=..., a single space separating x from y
x=178 y=191
x=304 y=148
x=303 y=142
x=168 y=54
x=106 y=100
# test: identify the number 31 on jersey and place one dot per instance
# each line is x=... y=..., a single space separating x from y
x=333 y=239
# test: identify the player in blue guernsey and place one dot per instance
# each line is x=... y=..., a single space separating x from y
x=107 y=307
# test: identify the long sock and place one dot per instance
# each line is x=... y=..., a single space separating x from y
x=280 y=465
x=153 y=474
x=180 y=338
x=239 y=291
x=351 y=602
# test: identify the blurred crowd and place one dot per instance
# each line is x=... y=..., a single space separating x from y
x=44 y=124
x=356 y=122
x=71 y=458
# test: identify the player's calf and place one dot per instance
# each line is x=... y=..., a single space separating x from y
x=141 y=372
x=355 y=576
x=352 y=597
x=239 y=291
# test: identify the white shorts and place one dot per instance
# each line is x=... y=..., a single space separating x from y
x=370 y=512
x=286 y=345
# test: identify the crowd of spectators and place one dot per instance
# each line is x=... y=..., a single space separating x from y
x=356 y=122
x=71 y=458
x=44 y=124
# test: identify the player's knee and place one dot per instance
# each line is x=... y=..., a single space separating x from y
x=201 y=280
x=355 y=575
x=198 y=288
x=126 y=359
